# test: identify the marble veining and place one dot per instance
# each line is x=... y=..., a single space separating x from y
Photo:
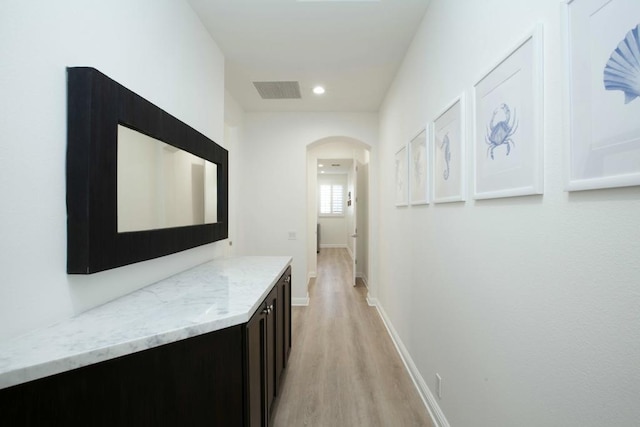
x=209 y=297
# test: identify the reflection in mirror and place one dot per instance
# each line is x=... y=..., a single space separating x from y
x=161 y=186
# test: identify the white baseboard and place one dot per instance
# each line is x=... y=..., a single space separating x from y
x=300 y=302
x=364 y=279
x=372 y=302
x=304 y=302
x=350 y=253
x=437 y=416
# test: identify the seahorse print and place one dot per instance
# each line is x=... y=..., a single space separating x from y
x=446 y=147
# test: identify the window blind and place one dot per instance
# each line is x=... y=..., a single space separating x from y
x=331 y=199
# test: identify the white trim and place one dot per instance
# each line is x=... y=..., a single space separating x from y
x=536 y=186
x=300 y=302
x=402 y=157
x=333 y=245
x=462 y=196
x=631 y=178
x=437 y=416
x=427 y=160
x=364 y=279
x=304 y=301
x=371 y=301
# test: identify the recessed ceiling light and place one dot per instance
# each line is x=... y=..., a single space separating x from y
x=320 y=165
x=318 y=90
x=343 y=1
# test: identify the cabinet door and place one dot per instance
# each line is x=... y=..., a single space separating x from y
x=256 y=396
x=286 y=299
x=267 y=342
x=280 y=331
x=271 y=337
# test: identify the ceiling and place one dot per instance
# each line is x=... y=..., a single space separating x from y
x=334 y=166
x=351 y=47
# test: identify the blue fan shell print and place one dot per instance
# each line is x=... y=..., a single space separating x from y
x=622 y=71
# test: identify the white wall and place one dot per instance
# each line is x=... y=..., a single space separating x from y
x=362 y=214
x=233 y=136
x=158 y=49
x=527 y=307
x=274 y=187
x=333 y=229
x=160 y=186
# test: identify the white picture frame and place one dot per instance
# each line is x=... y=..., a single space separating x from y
x=448 y=146
x=508 y=123
x=419 y=169
x=604 y=94
x=401 y=177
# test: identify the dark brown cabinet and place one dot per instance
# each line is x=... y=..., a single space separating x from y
x=255 y=391
x=193 y=382
x=285 y=290
x=224 y=378
x=268 y=343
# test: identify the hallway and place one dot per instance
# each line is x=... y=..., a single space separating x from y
x=344 y=369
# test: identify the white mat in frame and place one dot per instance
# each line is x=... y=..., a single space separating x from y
x=508 y=123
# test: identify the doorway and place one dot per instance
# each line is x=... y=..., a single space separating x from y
x=338 y=208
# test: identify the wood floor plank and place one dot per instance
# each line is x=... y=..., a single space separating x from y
x=344 y=369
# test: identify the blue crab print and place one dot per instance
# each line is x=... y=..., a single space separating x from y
x=447 y=154
x=500 y=132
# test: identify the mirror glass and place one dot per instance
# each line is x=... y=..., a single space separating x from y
x=161 y=186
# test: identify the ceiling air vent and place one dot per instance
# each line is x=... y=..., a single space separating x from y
x=278 y=90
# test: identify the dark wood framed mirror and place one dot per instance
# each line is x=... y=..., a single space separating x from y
x=98 y=111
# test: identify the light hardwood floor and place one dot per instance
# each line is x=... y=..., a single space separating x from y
x=344 y=369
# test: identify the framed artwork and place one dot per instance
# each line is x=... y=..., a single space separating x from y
x=418 y=168
x=604 y=92
x=448 y=146
x=507 y=144
x=402 y=175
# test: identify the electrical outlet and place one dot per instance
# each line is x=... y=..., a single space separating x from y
x=439 y=386
x=293 y=235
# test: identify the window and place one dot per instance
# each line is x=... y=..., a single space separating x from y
x=331 y=199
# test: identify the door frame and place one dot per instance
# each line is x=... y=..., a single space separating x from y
x=348 y=146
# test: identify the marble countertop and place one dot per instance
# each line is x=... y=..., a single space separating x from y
x=212 y=296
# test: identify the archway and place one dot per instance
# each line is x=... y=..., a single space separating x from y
x=356 y=211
